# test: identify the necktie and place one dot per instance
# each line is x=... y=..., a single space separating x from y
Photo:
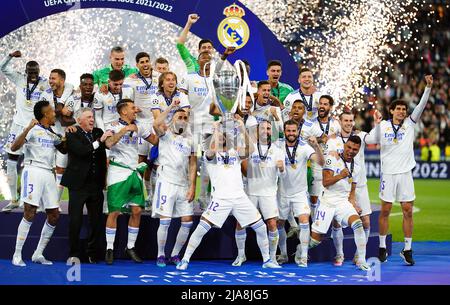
x=90 y=137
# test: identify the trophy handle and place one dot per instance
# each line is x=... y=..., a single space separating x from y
x=245 y=84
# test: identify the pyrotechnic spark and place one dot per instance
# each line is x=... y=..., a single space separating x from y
x=346 y=43
x=79 y=41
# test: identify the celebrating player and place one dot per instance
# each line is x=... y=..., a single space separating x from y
x=38 y=182
x=397 y=162
x=338 y=201
x=29 y=88
x=176 y=178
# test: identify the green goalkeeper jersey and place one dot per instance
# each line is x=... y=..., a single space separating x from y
x=101 y=76
x=281 y=91
x=189 y=60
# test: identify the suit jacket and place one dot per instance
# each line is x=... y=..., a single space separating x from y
x=81 y=156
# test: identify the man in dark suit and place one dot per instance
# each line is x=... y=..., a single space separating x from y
x=85 y=178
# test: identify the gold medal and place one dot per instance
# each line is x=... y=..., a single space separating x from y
x=29 y=102
x=395 y=140
x=227 y=166
x=310 y=114
x=350 y=180
x=294 y=166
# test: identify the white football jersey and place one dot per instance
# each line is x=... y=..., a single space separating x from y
x=107 y=104
x=173 y=158
x=143 y=93
x=333 y=128
x=66 y=99
x=397 y=156
x=337 y=145
x=160 y=102
x=24 y=107
x=126 y=150
x=81 y=104
x=39 y=148
x=309 y=129
x=264 y=113
x=295 y=95
x=226 y=179
x=294 y=180
x=262 y=176
x=340 y=190
x=199 y=98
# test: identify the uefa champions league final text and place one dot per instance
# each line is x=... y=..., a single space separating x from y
x=228 y=295
x=145 y=3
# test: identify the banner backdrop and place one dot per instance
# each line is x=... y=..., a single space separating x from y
x=423 y=170
x=225 y=22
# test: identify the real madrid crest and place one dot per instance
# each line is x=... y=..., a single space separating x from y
x=233 y=31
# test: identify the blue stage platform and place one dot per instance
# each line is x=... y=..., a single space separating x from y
x=432 y=268
x=218 y=244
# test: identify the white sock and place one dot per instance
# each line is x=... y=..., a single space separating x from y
x=110 y=237
x=408 y=243
x=11 y=175
x=132 y=236
x=292 y=221
x=360 y=239
x=240 y=237
x=383 y=241
x=182 y=236
x=304 y=238
x=46 y=234
x=260 y=229
x=282 y=240
x=367 y=232
x=22 y=233
x=60 y=188
x=162 y=235
x=196 y=237
x=338 y=240
x=273 y=244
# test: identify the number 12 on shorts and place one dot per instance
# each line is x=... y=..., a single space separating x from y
x=213 y=206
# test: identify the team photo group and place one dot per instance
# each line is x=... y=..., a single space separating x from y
x=135 y=138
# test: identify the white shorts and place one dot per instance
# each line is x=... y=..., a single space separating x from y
x=144 y=147
x=169 y=200
x=242 y=209
x=397 y=187
x=325 y=213
x=298 y=204
x=267 y=205
x=61 y=159
x=14 y=132
x=39 y=187
x=363 y=200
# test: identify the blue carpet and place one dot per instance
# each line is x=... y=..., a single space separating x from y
x=432 y=268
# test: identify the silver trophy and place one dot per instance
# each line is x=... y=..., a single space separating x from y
x=226 y=85
x=230 y=86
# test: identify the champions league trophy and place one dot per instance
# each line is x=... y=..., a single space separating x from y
x=230 y=86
